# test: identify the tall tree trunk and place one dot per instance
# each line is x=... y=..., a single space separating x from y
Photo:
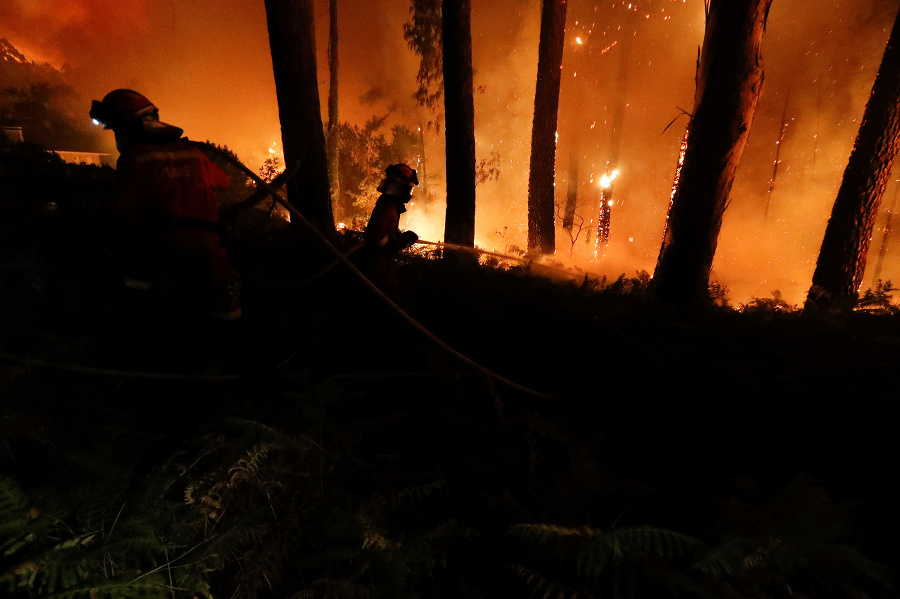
x=293 y=46
x=459 y=106
x=842 y=257
x=729 y=83
x=333 y=138
x=541 y=212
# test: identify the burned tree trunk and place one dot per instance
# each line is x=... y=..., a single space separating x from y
x=333 y=138
x=729 y=83
x=842 y=257
x=541 y=212
x=459 y=107
x=293 y=46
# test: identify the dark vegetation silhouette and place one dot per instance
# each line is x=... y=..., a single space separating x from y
x=42 y=109
x=363 y=153
x=423 y=33
x=325 y=446
x=41 y=100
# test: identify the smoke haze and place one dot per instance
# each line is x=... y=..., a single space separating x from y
x=206 y=65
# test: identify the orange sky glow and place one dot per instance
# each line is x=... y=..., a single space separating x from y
x=206 y=65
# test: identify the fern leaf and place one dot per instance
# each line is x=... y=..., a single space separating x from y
x=542 y=533
x=421 y=491
x=115 y=590
x=546 y=588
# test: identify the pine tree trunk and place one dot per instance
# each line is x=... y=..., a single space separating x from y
x=842 y=257
x=459 y=107
x=729 y=83
x=333 y=138
x=541 y=211
x=293 y=45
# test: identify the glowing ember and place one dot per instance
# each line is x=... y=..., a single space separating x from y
x=607 y=179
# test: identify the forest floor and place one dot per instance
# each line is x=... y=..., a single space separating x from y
x=531 y=400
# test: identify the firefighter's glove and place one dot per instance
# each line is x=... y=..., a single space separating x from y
x=407 y=238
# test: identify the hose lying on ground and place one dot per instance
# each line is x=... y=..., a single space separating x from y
x=297 y=217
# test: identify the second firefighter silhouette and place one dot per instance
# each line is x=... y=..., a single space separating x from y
x=383 y=238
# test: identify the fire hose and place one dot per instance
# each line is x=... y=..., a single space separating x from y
x=359 y=246
x=473 y=250
x=266 y=189
x=296 y=216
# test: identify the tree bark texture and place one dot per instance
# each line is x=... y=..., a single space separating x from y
x=842 y=257
x=541 y=207
x=459 y=108
x=293 y=45
x=729 y=84
x=333 y=138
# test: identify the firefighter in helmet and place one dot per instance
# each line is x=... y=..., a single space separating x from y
x=383 y=237
x=168 y=230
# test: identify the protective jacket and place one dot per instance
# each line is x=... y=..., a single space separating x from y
x=383 y=230
x=169 y=231
x=168 y=185
x=384 y=240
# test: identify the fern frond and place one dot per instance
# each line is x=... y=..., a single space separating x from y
x=619 y=560
x=721 y=562
x=115 y=590
x=651 y=539
x=248 y=466
x=14 y=516
x=420 y=492
x=546 y=588
x=332 y=559
x=452 y=529
x=542 y=533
